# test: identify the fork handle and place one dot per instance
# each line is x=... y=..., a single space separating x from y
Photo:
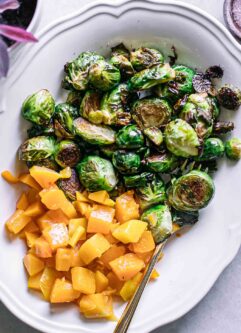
x=124 y=321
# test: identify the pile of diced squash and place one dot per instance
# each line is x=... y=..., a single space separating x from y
x=86 y=251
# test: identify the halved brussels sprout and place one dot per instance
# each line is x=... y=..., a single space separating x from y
x=74 y=98
x=213 y=148
x=37 y=130
x=130 y=137
x=184 y=218
x=222 y=127
x=70 y=185
x=151 y=111
x=154 y=134
x=94 y=134
x=103 y=75
x=39 y=107
x=126 y=162
x=213 y=102
x=90 y=107
x=120 y=58
x=47 y=162
x=96 y=174
x=233 y=149
x=37 y=148
x=77 y=71
x=67 y=153
x=162 y=163
x=229 y=97
x=151 y=77
x=109 y=150
x=63 y=120
x=181 y=139
x=140 y=180
x=144 y=57
x=152 y=193
x=191 y=192
x=159 y=220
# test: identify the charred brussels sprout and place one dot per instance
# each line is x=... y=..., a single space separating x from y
x=161 y=163
x=154 y=134
x=222 y=127
x=37 y=148
x=151 y=77
x=63 y=120
x=109 y=150
x=144 y=57
x=37 y=130
x=151 y=111
x=103 y=75
x=70 y=185
x=67 y=153
x=126 y=162
x=47 y=162
x=96 y=174
x=39 y=107
x=120 y=58
x=151 y=194
x=140 y=180
x=74 y=98
x=159 y=220
x=130 y=137
x=229 y=97
x=233 y=149
x=213 y=148
x=77 y=71
x=213 y=102
x=90 y=107
x=113 y=106
x=191 y=192
x=184 y=218
x=94 y=134
x=181 y=139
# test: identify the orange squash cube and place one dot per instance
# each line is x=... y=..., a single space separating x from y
x=65 y=173
x=129 y=287
x=57 y=235
x=31 y=227
x=145 y=244
x=34 y=281
x=27 y=179
x=35 y=209
x=109 y=202
x=63 y=259
x=33 y=264
x=32 y=195
x=42 y=248
x=127 y=266
x=79 y=234
x=17 y=221
x=63 y=292
x=114 y=282
x=82 y=208
x=145 y=256
x=154 y=274
x=96 y=306
x=9 y=177
x=112 y=253
x=100 y=219
x=45 y=177
x=76 y=259
x=80 y=197
x=130 y=232
x=22 y=202
x=30 y=238
x=126 y=207
x=83 y=280
x=99 y=196
x=75 y=223
x=47 y=280
x=101 y=281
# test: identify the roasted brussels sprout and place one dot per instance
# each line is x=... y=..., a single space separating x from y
x=229 y=97
x=103 y=75
x=96 y=174
x=37 y=148
x=162 y=163
x=152 y=193
x=39 y=107
x=213 y=148
x=90 y=107
x=184 y=218
x=191 y=192
x=67 y=153
x=222 y=127
x=144 y=57
x=94 y=134
x=151 y=111
x=74 y=98
x=126 y=162
x=140 y=180
x=213 y=102
x=130 y=137
x=181 y=85
x=108 y=151
x=154 y=134
x=151 y=77
x=77 y=70
x=233 y=149
x=202 y=83
x=113 y=106
x=63 y=120
x=47 y=162
x=70 y=185
x=37 y=130
x=120 y=58
x=159 y=220
x=181 y=139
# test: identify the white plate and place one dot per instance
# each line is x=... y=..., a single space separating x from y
x=192 y=263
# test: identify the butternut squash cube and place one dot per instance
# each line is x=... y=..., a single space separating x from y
x=83 y=280
x=96 y=306
x=32 y=195
x=42 y=248
x=47 y=280
x=99 y=196
x=154 y=274
x=80 y=197
x=130 y=232
x=129 y=287
x=31 y=227
x=35 y=209
x=34 y=281
x=22 y=202
x=79 y=233
x=75 y=223
x=9 y=177
x=45 y=177
x=145 y=244
x=82 y=208
x=76 y=259
x=63 y=259
x=57 y=235
x=112 y=253
x=93 y=248
x=33 y=264
x=126 y=207
x=30 y=238
x=100 y=219
x=65 y=173
x=101 y=281
x=127 y=266
x=17 y=221
x=63 y=292
x=27 y=179
x=114 y=282
x=109 y=202
x=145 y=256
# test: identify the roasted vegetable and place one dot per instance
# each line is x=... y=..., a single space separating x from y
x=191 y=192
x=184 y=218
x=96 y=174
x=67 y=153
x=120 y=59
x=140 y=180
x=63 y=120
x=90 y=107
x=144 y=57
x=37 y=130
x=222 y=127
x=130 y=137
x=154 y=134
x=39 y=107
x=47 y=162
x=213 y=148
x=37 y=148
x=229 y=97
x=70 y=185
x=126 y=162
x=162 y=163
x=233 y=149
x=74 y=98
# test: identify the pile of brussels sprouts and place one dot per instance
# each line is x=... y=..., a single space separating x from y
x=134 y=122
